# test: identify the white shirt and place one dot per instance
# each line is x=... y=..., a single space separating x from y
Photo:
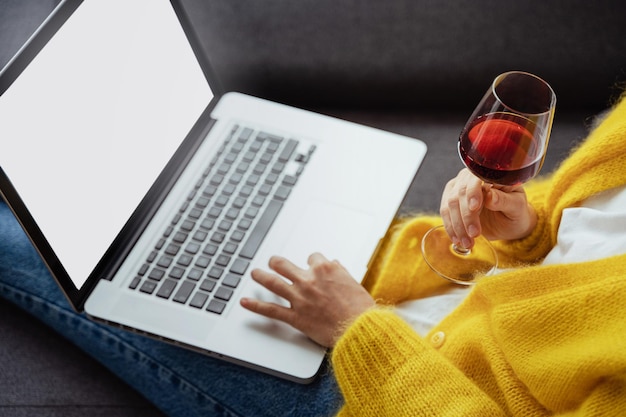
x=595 y=230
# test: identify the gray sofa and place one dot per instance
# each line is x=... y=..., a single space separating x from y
x=415 y=67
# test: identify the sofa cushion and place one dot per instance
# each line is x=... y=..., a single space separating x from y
x=428 y=54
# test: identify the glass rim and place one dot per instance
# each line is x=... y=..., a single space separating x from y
x=500 y=77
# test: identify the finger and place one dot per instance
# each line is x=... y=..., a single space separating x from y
x=316 y=258
x=447 y=224
x=470 y=206
x=287 y=268
x=446 y=213
x=271 y=310
x=456 y=215
x=506 y=202
x=273 y=283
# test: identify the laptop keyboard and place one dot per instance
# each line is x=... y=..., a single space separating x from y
x=207 y=248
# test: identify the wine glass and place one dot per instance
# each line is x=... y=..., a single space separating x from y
x=503 y=143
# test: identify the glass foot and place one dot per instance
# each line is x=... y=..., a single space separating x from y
x=459 y=265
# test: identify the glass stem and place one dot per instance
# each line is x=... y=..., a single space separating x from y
x=461 y=250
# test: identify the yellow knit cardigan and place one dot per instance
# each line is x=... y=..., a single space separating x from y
x=536 y=341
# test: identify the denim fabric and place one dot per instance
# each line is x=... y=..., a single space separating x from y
x=178 y=381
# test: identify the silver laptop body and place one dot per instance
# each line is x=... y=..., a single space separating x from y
x=151 y=198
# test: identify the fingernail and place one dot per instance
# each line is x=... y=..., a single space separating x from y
x=473 y=204
x=466 y=243
x=472 y=231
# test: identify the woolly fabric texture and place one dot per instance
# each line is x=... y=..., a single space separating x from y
x=539 y=340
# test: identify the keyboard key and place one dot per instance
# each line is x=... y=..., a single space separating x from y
x=217 y=179
x=290 y=180
x=192 y=248
x=256 y=145
x=172 y=249
x=180 y=237
x=245 y=191
x=229 y=189
x=287 y=151
x=282 y=193
x=239 y=266
x=218 y=237
x=232 y=213
x=198 y=299
x=243 y=165
x=251 y=213
x=152 y=256
x=208 y=285
x=160 y=244
x=210 y=190
x=156 y=274
x=266 y=158
x=231 y=280
x=134 y=283
x=258 y=201
x=253 y=180
x=188 y=225
x=272 y=147
x=222 y=260
x=165 y=261
x=148 y=287
x=225 y=225
x=215 y=272
x=202 y=202
x=221 y=201
x=223 y=293
x=260 y=230
x=239 y=202
x=143 y=269
x=265 y=189
x=245 y=134
x=271 y=178
x=184 y=260
x=230 y=248
x=203 y=262
x=194 y=274
x=200 y=235
x=216 y=307
x=177 y=272
x=210 y=249
x=244 y=224
x=195 y=213
x=237 y=236
x=207 y=224
x=184 y=292
x=166 y=288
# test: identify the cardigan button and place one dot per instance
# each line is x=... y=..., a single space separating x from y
x=437 y=339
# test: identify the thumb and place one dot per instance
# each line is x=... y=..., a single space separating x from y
x=498 y=200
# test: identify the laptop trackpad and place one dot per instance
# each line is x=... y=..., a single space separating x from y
x=337 y=232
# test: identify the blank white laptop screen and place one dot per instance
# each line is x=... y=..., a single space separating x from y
x=125 y=94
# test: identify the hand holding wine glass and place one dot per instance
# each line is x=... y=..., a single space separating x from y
x=470 y=208
x=503 y=145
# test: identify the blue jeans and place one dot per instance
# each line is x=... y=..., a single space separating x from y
x=176 y=380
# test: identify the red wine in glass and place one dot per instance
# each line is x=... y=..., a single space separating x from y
x=503 y=143
x=502 y=148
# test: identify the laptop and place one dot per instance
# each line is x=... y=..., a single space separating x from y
x=151 y=197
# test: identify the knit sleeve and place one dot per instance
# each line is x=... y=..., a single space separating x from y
x=398 y=272
x=535 y=246
x=384 y=369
